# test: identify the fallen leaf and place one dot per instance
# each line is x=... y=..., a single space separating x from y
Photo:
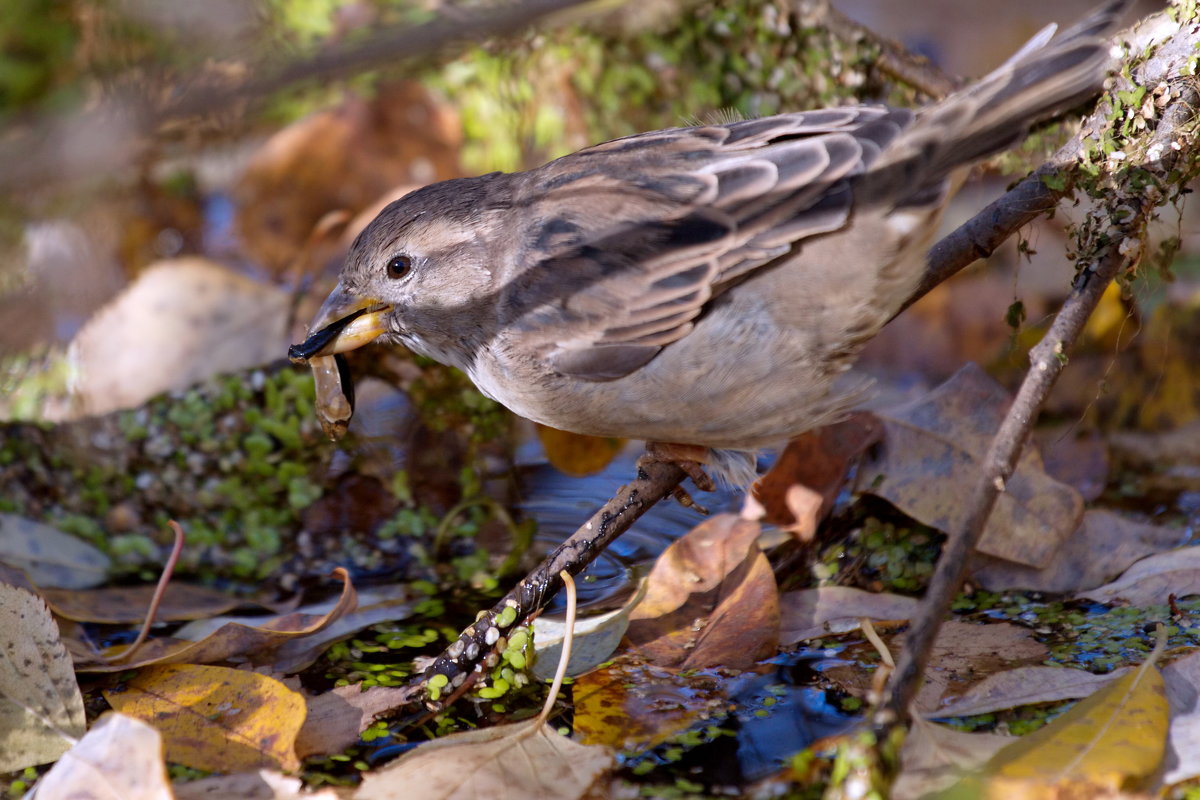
x=813 y=613
x=120 y=758
x=1024 y=686
x=816 y=461
x=380 y=604
x=962 y=655
x=179 y=323
x=41 y=708
x=1079 y=460
x=711 y=599
x=1105 y=544
x=1111 y=742
x=632 y=705
x=1182 y=680
x=1152 y=580
x=929 y=462
x=595 y=638
x=519 y=761
x=263 y=784
x=231 y=642
x=576 y=454
x=50 y=557
x=934 y=756
x=116 y=605
x=216 y=718
x=337 y=717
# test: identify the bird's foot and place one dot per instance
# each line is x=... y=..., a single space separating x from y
x=691 y=459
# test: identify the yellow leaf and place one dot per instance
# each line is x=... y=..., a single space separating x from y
x=1111 y=742
x=216 y=718
x=576 y=454
x=1110 y=322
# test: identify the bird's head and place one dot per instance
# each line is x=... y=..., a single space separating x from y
x=413 y=275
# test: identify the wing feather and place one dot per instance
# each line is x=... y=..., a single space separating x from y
x=660 y=223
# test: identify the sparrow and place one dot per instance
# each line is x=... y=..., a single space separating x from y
x=701 y=286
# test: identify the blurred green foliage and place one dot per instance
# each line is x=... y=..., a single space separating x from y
x=304 y=21
x=544 y=96
x=38 y=39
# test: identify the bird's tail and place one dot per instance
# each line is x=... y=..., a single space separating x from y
x=1047 y=76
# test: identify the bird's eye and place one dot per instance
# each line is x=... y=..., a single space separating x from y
x=399 y=266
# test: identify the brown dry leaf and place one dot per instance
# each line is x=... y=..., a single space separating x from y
x=816 y=461
x=216 y=718
x=50 y=557
x=117 y=605
x=1077 y=459
x=342 y=158
x=962 y=655
x=934 y=757
x=232 y=642
x=1105 y=544
x=41 y=708
x=336 y=718
x=518 y=762
x=1152 y=580
x=830 y=610
x=1112 y=742
x=179 y=323
x=631 y=705
x=380 y=604
x=711 y=600
x=1182 y=679
x=1024 y=686
x=120 y=758
x=577 y=454
x=929 y=460
x=264 y=784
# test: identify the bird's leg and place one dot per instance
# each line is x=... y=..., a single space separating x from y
x=691 y=459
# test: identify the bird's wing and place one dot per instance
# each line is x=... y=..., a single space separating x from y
x=641 y=232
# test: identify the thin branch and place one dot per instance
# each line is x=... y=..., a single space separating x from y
x=893 y=60
x=655 y=481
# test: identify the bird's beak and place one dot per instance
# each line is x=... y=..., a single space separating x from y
x=344 y=322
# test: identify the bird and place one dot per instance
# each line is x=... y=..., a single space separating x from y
x=700 y=287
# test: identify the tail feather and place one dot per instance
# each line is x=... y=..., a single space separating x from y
x=1047 y=76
